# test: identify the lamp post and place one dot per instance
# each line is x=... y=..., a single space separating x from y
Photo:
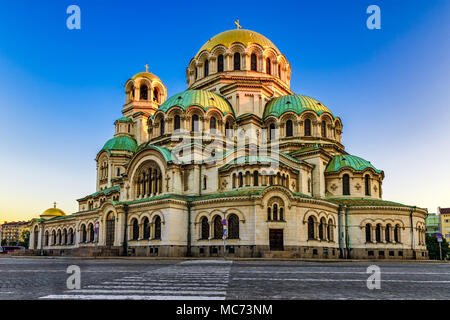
x=224 y=235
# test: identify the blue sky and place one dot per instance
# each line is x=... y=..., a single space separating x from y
x=61 y=90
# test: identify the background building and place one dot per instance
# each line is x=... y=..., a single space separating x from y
x=445 y=222
x=432 y=223
x=12 y=231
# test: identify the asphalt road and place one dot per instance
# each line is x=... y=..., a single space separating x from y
x=26 y=278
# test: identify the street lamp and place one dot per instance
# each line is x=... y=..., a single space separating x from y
x=224 y=234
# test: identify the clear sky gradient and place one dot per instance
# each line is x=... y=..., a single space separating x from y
x=61 y=90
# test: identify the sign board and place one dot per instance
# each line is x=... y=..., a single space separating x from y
x=439 y=235
x=439 y=239
x=224 y=222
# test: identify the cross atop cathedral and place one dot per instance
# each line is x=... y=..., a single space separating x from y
x=146 y=68
x=238 y=26
x=54 y=204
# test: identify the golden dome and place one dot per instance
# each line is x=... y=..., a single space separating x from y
x=246 y=37
x=147 y=75
x=53 y=212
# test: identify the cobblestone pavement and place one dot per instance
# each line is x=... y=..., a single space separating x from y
x=26 y=278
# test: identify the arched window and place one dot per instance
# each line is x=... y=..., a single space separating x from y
x=269 y=213
x=157 y=227
x=220 y=63
x=143 y=92
x=368 y=232
x=176 y=122
x=218 y=228
x=330 y=230
x=268 y=65
x=71 y=235
x=206 y=68
x=387 y=235
x=212 y=124
x=289 y=128
x=194 y=124
x=397 y=233
x=275 y=212
x=205 y=180
x=255 y=178
x=65 y=236
x=323 y=127
x=233 y=180
x=241 y=180
x=205 y=228
x=233 y=227
x=83 y=233
x=237 y=61
x=378 y=233
x=146 y=227
x=367 y=184
x=279 y=71
x=308 y=127
x=195 y=73
x=135 y=229
x=253 y=64
x=91 y=232
x=46 y=239
x=272 y=131
x=155 y=95
x=53 y=237
x=162 y=128
x=321 y=229
x=346 y=185
x=311 y=231
x=281 y=214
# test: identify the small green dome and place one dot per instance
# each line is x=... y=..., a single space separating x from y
x=200 y=98
x=294 y=102
x=348 y=161
x=121 y=143
x=124 y=119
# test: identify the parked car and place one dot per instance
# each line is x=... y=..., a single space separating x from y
x=6 y=249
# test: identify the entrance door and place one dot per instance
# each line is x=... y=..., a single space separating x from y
x=110 y=229
x=276 y=239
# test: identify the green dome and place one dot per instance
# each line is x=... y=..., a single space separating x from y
x=348 y=161
x=121 y=143
x=296 y=103
x=201 y=98
x=124 y=119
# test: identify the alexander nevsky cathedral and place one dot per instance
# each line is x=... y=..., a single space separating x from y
x=236 y=162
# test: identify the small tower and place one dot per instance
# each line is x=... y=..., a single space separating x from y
x=144 y=92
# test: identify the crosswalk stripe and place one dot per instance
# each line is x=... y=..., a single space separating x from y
x=204 y=292
x=128 y=297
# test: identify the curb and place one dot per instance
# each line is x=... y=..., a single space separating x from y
x=230 y=259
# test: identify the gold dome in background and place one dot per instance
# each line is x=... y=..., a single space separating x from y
x=53 y=212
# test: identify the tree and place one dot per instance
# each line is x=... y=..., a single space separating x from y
x=3 y=242
x=26 y=238
x=433 y=247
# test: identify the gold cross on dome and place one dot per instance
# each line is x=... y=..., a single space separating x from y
x=54 y=204
x=238 y=26
x=146 y=68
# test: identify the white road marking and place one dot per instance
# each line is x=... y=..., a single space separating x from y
x=129 y=297
x=212 y=292
x=337 y=280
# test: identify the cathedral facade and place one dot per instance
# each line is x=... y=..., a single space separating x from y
x=237 y=163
